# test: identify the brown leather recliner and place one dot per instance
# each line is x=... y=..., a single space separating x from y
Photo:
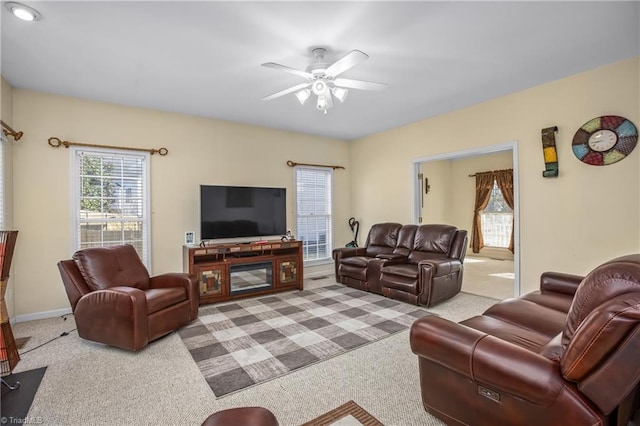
x=433 y=269
x=568 y=354
x=114 y=301
x=352 y=263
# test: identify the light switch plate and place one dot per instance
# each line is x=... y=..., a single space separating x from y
x=189 y=238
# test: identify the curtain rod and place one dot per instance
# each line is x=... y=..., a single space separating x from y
x=56 y=142
x=292 y=164
x=492 y=171
x=8 y=131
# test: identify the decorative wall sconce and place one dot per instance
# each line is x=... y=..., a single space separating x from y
x=424 y=187
x=550 y=152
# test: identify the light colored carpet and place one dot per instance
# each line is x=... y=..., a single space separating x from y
x=488 y=277
x=92 y=384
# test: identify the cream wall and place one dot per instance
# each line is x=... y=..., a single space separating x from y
x=201 y=151
x=435 y=204
x=6 y=112
x=571 y=223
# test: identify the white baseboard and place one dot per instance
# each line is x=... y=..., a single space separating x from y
x=318 y=271
x=42 y=315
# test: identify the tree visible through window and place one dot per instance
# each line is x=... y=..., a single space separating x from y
x=111 y=200
x=496 y=220
x=314 y=212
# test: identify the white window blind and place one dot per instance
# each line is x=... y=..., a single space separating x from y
x=111 y=200
x=314 y=212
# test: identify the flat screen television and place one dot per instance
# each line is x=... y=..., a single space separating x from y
x=242 y=211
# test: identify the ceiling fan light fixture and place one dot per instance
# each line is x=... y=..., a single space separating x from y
x=324 y=103
x=319 y=88
x=23 y=12
x=340 y=93
x=303 y=95
x=323 y=81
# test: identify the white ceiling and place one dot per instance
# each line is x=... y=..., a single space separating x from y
x=203 y=58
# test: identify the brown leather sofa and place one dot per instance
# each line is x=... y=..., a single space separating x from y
x=568 y=354
x=114 y=301
x=422 y=264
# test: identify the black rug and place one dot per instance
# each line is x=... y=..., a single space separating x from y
x=16 y=403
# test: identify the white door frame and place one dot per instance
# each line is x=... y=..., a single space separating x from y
x=513 y=147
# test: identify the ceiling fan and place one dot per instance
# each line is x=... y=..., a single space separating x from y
x=323 y=81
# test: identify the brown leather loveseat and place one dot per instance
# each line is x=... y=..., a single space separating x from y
x=422 y=264
x=568 y=354
x=114 y=301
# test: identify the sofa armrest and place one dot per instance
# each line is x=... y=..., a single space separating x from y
x=186 y=281
x=392 y=256
x=560 y=283
x=441 y=267
x=342 y=252
x=115 y=316
x=487 y=360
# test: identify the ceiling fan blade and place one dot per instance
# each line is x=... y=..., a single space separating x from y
x=359 y=84
x=290 y=70
x=348 y=61
x=287 y=91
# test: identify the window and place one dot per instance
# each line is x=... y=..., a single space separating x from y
x=111 y=200
x=496 y=220
x=314 y=212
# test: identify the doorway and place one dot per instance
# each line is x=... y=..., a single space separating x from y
x=444 y=192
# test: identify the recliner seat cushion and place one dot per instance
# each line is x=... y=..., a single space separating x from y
x=402 y=277
x=350 y=271
x=509 y=332
x=357 y=261
x=529 y=315
x=402 y=270
x=106 y=267
x=161 y=298
x=558 y=301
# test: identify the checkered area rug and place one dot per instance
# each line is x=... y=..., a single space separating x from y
x=244 y=343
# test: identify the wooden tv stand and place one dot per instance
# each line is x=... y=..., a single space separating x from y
x=235 y=270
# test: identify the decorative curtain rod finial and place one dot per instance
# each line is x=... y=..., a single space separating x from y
x=8 y=131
